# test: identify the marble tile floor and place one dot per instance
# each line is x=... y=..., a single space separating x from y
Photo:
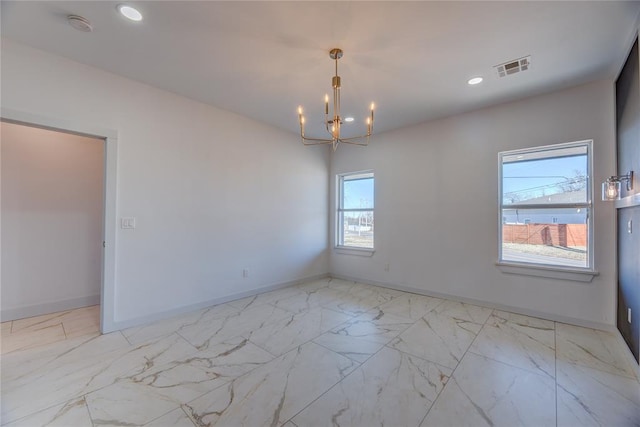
x=327 y=353
x=36 y=331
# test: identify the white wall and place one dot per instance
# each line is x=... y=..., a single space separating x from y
x=442 y=176
x=213 y=192
x=52 y=205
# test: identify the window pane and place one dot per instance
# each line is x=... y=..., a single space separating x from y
x=546 y=236
x=357 y=229
x=357 y=193
x=543 y=177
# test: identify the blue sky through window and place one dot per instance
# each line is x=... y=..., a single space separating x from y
x=542 y=177
x=358 y=193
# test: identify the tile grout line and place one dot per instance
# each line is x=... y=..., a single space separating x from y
x=539 y=373
x=360 y=364
x=458 y=364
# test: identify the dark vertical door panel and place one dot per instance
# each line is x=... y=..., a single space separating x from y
x=629 y=277
x=628 y=147
x=628 y=119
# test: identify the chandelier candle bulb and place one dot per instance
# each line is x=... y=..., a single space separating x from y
x=326 y=105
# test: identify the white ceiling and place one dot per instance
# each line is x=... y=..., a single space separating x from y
x=263 y=59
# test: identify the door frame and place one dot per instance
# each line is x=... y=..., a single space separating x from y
x=110 y=136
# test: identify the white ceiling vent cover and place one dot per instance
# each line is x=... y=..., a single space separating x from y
x=513 y=67
x=80 y=23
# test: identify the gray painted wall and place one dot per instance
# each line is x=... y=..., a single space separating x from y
x=437 y=204
x=213 y=193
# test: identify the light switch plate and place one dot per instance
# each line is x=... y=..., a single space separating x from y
x=128 y=223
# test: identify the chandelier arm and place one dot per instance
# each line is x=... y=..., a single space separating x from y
x=364 y=144
x=355 y=138
x=316 y=143
x=316 y=140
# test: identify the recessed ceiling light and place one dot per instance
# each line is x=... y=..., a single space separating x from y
x=348 y=119
x=475 y=80
x=129 y=12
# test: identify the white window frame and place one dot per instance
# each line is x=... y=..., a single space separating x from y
x=550 y=270
x=340 y=210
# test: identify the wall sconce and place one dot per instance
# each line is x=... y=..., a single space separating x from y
x=611 y=187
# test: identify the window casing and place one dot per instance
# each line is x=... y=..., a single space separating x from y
x=545 y=206
x=355 y=210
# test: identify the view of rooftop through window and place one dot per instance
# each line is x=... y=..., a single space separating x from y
x=545 y=206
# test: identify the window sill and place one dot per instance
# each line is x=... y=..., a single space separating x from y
x=354 y=251
x=575 y=275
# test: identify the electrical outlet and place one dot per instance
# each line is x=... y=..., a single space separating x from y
x=630 y=227
x=386 y=267
x=629 y=315
x=245 y=273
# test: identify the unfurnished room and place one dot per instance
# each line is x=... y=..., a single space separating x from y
x=317 y=213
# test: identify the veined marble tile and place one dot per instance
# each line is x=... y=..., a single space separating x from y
x=71 y=375
x=363 y=336
x=590 y=397
x=127 y=404
x=139 y=399
x=283 y=335
x=314 y=285
x=274 y=392
x=483 y=392
x=6 y=327
x=175 y=418
x=390 y=389
x=438 y=338
x=594 y=349
x=165 y=327
x=26 y=338
x=358 y=300
x=522 y=341
x=364 y=290
x=71 y=414
x=411 y=306
x=343 y=285
x=39 y=322
x=463 y=311
x=21 y=368
x=309 y=300
x=211 y=330
x=74 y=323
x=271 y=297
x=82 y=321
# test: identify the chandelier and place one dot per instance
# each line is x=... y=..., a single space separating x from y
x=333 y=123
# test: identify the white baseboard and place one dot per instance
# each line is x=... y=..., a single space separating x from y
x=48 y=307
x=119 y=325
x=488 y=304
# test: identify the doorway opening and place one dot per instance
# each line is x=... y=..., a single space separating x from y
x=58 y=221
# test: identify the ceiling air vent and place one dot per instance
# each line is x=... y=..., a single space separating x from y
x=513 y=67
